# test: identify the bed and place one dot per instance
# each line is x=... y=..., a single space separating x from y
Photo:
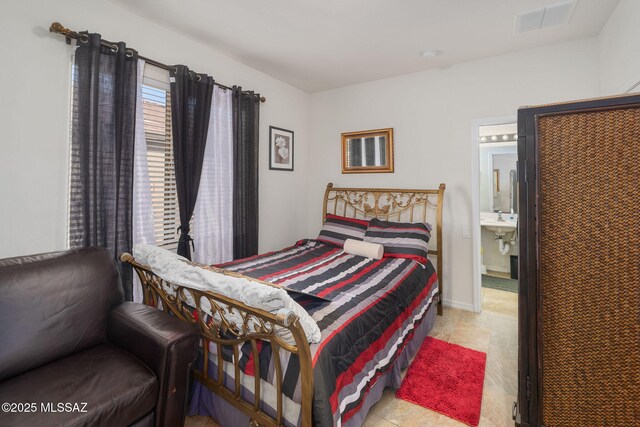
x=373 y=315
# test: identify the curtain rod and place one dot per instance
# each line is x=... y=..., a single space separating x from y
x=58 y=28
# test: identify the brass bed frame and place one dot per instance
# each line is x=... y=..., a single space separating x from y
x=257 y=324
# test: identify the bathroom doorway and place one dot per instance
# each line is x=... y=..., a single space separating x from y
x=495 y=209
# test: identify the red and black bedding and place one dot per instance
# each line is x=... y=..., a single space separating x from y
x=369 y=313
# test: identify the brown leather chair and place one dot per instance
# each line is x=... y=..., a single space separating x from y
x=73 y=353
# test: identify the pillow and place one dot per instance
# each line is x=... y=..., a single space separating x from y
x=178 y=270
x=400 y=239
x=336 y=229
x=365 y=249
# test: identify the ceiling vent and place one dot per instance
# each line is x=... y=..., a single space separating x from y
x=550 y=16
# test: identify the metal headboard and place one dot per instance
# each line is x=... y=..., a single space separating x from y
x=399 y=205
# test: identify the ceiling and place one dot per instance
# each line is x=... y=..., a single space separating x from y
x=317 y=45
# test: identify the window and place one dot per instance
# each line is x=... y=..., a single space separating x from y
x=156 y=106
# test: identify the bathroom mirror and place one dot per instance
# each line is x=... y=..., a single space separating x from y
x=498 y=158
x=368 y=151
x=505 y=181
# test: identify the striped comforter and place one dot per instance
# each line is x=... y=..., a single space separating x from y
x=374 y=307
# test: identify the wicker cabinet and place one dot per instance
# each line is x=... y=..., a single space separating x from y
x=579 y=264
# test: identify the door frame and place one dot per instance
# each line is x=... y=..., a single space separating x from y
x=476 y=233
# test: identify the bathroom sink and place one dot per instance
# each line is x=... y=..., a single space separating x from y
x=498 y=227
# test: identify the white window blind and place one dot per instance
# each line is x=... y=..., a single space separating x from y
x=74 y=159
x=156 y=97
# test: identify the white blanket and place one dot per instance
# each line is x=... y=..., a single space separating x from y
x=175 y=269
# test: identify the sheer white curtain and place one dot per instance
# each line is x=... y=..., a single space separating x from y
x=143 y=231
x=212 y=229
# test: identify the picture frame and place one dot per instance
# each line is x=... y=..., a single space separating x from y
x=281 y=149
x=368 y=151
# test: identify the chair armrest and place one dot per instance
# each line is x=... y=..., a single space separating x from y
x=166 y=345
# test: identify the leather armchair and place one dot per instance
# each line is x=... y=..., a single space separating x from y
x=73 y=353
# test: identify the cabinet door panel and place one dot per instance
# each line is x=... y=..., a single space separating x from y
x=579 y=319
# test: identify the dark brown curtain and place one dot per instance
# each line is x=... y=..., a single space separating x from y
x=246 y=116
x=191 y=96
x=103 y=122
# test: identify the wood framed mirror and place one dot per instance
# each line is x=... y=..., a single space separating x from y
x=369 y=151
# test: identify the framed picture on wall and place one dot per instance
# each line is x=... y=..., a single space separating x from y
x=280 y=149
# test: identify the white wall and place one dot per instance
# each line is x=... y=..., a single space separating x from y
x=432 y=113
x=619 y=42
x=34 y=88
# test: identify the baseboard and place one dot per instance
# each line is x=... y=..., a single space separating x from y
x=457 y=304
x=499 y=269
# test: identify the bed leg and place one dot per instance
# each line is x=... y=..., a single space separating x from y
x=439 y=307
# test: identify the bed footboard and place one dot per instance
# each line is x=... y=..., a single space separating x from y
x=226 y=322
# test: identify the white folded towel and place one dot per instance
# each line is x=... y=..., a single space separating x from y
x=365 y=249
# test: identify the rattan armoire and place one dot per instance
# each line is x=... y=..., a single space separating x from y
x=579 y=263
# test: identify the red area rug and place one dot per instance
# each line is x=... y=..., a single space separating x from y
x=446 y=378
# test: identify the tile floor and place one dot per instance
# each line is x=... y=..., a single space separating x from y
x=493 y=331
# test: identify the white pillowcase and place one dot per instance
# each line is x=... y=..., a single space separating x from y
x=176 y=270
